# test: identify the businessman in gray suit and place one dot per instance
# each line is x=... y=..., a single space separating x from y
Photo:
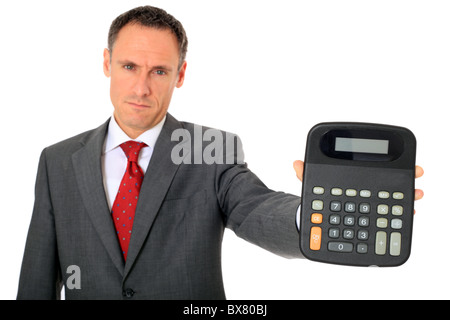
x=182 y=206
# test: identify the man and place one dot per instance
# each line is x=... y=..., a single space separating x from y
x=155 y=232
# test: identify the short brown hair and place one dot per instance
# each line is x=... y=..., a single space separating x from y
x=152 y=17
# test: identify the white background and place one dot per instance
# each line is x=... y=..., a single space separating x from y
x=267 y=70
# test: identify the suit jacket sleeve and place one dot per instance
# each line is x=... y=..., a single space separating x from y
x=40 y=276
x=257 y=214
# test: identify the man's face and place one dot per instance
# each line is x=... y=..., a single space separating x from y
x=144 y=72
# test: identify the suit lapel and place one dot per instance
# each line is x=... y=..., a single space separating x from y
x=157 y=180
x=87 y=165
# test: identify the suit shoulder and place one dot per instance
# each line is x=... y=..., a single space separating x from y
x=206 y=145
x=197 y=128
x=72 y=144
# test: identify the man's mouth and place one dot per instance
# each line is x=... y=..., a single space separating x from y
x=138 y=105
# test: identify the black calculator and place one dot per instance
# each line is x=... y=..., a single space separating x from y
x=358 y=194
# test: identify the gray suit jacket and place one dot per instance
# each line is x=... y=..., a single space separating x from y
x=175 y=250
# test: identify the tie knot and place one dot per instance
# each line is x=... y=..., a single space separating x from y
x=132 y=149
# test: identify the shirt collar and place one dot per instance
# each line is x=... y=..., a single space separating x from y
x=115 y=136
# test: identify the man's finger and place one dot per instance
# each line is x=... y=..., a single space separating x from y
x=418 y=194
x=298 y=167
x=419 y=171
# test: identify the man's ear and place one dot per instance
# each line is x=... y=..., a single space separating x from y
x=107 y=63
x=181 y=74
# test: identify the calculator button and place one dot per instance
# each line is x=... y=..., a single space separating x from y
x=316 y=218
x=340 y=246
x=396 y=244
x=335 y=206
x=315 y=238
x=361 y=248
x=380 y=243
x=335 y=219
x=396 y=224
x=351 y=192
x=350 y=207
x=318 y=190
x=349 y=220
x=397 y=210
x=363 y=221
x=398 y=195
x=365 y=194
x=336 y=192
x=333 y=233
x=382 y=223
x=363 y=235
x=382 y=209
x=364 y=208
x=317 y=205
x=383 y=195
x=348 y=234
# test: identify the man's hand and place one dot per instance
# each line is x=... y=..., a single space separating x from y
x=299 y=166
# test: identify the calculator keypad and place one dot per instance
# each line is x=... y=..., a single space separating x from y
x=357 y=220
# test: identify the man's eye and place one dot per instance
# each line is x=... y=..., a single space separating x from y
x=128 y=67
x=160 y=72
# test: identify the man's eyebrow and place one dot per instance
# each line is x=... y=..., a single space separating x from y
x=157 y=67
x=126 y=62
x=162 y=67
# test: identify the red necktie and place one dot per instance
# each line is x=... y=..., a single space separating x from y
x=124 y=206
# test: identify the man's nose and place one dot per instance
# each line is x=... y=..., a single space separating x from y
x=142 y=85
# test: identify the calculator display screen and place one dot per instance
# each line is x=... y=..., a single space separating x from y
x=362 y=145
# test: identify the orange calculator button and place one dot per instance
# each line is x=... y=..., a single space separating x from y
x=315 y=238
x=316 y=218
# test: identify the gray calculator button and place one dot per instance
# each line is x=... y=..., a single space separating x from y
x=396 y=224
x=363 y=221
x=380 y=243
x=349 y=220
x=335 y=219
x=363 y=234
x=396 y=244
x=318 y=190
x=361 y=248
x=350 y=207
x=348 y=234
x=336 y=192
x=317 y=205
x=340 y=246
x=333 y=233
x=364 y=208
x=335 y=206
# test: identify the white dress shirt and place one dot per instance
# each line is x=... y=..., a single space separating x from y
x=114 y=161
